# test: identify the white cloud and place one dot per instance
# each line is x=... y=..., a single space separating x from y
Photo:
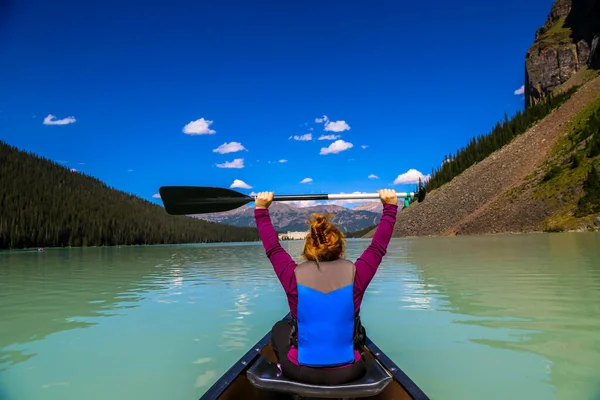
x=156 y=196
x=73 y=170
x=199 y=127
x=364 y=146
x=336 y=147
x=520 y=90
x=51 y=120
x=304 y=138
x=329 y=137
x=337 y=126
x=306 y=180
x=282 y=161
x=229 y=148
x=239 y=184
x=373 y=176
x=253 y=193
x=410 y=176
x=237 y=163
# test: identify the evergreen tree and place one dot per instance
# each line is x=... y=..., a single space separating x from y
x=420 y=191
x=594 y=145
x=575 y=161
x=589 y=203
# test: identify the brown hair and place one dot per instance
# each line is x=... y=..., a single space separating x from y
x=325 y=241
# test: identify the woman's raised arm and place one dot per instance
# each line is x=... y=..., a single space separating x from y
x=282 y=262
x=369 y=261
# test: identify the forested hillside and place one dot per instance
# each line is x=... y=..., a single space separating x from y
x=45 y=204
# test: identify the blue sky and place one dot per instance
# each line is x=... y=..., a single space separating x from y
x=145 y=94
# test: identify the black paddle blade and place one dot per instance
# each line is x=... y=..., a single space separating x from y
x=421 y=195
x=187 y=200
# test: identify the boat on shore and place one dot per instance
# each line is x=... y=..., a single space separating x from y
x=256 y=376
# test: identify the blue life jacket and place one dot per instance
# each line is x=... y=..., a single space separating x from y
x=325 y=315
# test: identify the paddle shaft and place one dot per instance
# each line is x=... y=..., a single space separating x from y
x=293 y=197
x=341 y=196
x=296 y=197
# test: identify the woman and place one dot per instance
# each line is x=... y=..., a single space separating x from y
x=323 y=342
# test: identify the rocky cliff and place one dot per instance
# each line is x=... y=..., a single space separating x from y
x=568 y=42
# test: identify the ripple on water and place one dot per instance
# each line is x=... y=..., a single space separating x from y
x=206 y=378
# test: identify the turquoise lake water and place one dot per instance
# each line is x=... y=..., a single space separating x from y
x=490 y=317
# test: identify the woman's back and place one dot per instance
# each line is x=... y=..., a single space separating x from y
x=366 y=265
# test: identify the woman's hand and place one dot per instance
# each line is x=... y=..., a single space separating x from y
x=263 y=200
x=388 y=196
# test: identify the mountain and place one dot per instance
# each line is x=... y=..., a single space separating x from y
x=44 y=204
x=286 y=217
x=540 y=170
x=373 y=206
x=567 y=43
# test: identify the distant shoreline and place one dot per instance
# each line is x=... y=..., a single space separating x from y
x=597 y=230
x=34 y=250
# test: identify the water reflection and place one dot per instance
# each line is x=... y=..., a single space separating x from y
x=45 y=293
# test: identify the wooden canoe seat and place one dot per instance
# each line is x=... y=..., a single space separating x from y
x=265 y=375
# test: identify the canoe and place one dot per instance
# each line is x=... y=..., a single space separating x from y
x=256 y=376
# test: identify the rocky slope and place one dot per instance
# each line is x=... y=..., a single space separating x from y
x=497 y=194
x=286 y=217
x=567 y=43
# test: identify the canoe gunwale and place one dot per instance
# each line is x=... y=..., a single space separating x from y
x=242 y=365
x=404 y=380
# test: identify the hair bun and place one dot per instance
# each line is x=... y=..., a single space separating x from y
x=319 y=220
x=325 y=241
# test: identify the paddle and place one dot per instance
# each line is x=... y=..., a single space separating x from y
x=186 y=200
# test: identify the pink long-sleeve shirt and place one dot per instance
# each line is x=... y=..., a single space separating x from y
x=366 y=264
